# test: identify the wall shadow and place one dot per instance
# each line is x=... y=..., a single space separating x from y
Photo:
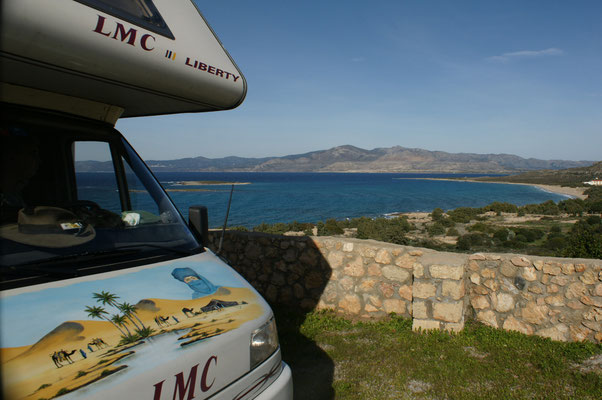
x=291 y=274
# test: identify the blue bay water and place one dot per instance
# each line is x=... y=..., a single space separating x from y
x=312 y=197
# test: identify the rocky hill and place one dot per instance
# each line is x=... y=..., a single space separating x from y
x=354 y=159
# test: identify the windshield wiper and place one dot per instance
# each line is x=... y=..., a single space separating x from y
x=52 y=266
x=161 y=247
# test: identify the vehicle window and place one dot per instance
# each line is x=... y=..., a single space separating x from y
x=141 y=201
x=140 y=12
x=71 y=193
x=95 y=175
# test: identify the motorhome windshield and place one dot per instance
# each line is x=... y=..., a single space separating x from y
x=80 y=192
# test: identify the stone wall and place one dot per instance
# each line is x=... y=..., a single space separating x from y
x=439 y=291
x=551 y=297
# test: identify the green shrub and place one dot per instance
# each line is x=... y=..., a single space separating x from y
x=501 y=234
x=499 y=207
x=593 y=220
x=585 y=239
x=274 y=229
x=437 y=214
x=595 y=207
x=572 y=206
x=466 y=242
x=464 y=214
x=546 y=208
x=481 y=227
x=386 y=230
x=521 y=238
x=299 y=226
x=514 y=244
x=447 y=222
x=281 y=228
x=556 y=243
x=238 y=228
x=329 y=228
x=463 y=243
x=594 y=194
x=435 y=229
x=550 y=208
x=452 y=232
x=527 y=234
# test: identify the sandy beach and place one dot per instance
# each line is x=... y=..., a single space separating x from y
x=569 y=191
x=564 y=190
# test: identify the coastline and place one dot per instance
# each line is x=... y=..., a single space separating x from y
x=209 y=183
x=563 y=190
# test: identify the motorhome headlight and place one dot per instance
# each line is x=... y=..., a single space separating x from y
x=264 y=342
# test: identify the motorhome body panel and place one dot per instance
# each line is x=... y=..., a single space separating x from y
x=70 y=48
x=60 y=337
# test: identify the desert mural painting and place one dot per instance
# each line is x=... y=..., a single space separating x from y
x=74 y=338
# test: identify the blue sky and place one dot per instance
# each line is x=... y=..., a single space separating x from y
x=518 y=77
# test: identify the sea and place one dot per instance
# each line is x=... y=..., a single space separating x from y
x=312 y=197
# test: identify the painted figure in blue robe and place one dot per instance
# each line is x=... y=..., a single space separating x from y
x=199 y=284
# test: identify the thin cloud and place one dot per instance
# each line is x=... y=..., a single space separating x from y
x=526 y=54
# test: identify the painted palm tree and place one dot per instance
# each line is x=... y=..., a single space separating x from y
x=120 y=320
x=106 y=298
x=130 y=310
x=100 y=313
x=111 y=299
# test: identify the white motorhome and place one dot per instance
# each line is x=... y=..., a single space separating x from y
x=107 y=293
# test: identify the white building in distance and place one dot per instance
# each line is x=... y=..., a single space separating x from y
x=594 y=182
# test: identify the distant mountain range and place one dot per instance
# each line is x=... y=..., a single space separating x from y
x=354 y=159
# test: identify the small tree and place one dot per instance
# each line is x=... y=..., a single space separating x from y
x=585 y=239
x=437 y=214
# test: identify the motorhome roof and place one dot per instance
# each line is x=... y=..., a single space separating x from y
x=158 y=58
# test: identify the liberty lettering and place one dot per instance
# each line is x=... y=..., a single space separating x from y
x=184 y=388
x=201 y=66
x=123 y=35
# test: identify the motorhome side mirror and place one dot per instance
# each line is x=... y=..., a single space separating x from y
x=198 y=221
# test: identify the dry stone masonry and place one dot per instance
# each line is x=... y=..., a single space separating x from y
x=556 y=298
x=550 y=297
